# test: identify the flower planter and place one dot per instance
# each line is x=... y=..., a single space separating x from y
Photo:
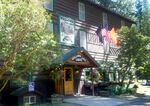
x=56 y=99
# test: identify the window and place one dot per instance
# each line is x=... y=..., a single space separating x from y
x=49 y=5
x=50 y=27
x=68 y=75
x=111 y=77
x=105 y=20
x=82 y=35
x=29 y=99
x=81 y=11
x=122 y=23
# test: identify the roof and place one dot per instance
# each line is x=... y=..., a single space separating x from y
x=73 y=52
x=92 y=2
x=22 y=90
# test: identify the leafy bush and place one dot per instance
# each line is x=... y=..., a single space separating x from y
x=118 y=90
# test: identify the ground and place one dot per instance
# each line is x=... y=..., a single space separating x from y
x=142 y=98
x=140 y=101
x=61 y=104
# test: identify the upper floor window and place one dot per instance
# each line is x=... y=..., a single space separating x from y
x=81 y=11
x=83 y=41
x=49 y=4
x=105 y=20
x=122 y=23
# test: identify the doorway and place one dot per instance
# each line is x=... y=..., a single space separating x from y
x=68 y=81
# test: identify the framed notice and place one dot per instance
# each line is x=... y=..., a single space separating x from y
x=67 y=32
x=31 y=86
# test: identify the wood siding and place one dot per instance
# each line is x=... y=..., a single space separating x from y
x=93 y=19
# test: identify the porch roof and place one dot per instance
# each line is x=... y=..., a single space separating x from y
x=22 y=90
x=63 y=59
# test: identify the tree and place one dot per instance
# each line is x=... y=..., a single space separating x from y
x=130 y=56
x=26 y=43
x=144 y=60
x=139 y=10
x=145 y=21
x=123 y=7
x=105 y=3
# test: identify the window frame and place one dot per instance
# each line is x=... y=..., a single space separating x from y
x=51 y=27
x=28 y=98
x=105 y=18
x=83 y=31
x=81 y=11
x=48 y=3
x=111 y=76
x=122 y=23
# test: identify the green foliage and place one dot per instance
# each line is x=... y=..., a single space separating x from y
x=145 y=22
x=131 y=52
x=25 y=42
x=55 y=75
x=94 y=75
x=105 y=3
x=123 y=7
x=25 y=104
x=118 y=90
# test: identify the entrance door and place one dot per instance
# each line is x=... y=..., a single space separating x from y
x=68 y=81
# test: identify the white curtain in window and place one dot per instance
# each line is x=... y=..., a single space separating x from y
x=81 y=11
x=83 y=39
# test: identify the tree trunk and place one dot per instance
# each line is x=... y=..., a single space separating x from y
x=128 y=84
x=4 y=85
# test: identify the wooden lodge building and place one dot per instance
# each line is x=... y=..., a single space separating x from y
x=82 y=27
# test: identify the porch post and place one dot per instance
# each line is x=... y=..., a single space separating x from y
x=62 y=81
x=92 y=82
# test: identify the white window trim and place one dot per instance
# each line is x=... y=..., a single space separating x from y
x=111 y=77
x=48 y=3
x=80 y=31
x=122 y=23
x=81 y=8
x=29 y=99
x=50 y=26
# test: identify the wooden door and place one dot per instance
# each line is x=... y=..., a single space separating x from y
x=68 y=81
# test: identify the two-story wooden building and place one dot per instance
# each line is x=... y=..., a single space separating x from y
x=86 y=33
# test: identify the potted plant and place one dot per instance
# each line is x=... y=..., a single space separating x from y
x=55 y=75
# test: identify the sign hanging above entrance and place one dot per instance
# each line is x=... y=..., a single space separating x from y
x=78 y=58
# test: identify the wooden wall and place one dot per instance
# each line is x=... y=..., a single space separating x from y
x=93 y=14
x=93 y=19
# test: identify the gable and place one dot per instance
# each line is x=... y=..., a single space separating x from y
x=77 y=56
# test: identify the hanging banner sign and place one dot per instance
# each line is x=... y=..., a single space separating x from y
x=66 y=30
x=79 y=58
